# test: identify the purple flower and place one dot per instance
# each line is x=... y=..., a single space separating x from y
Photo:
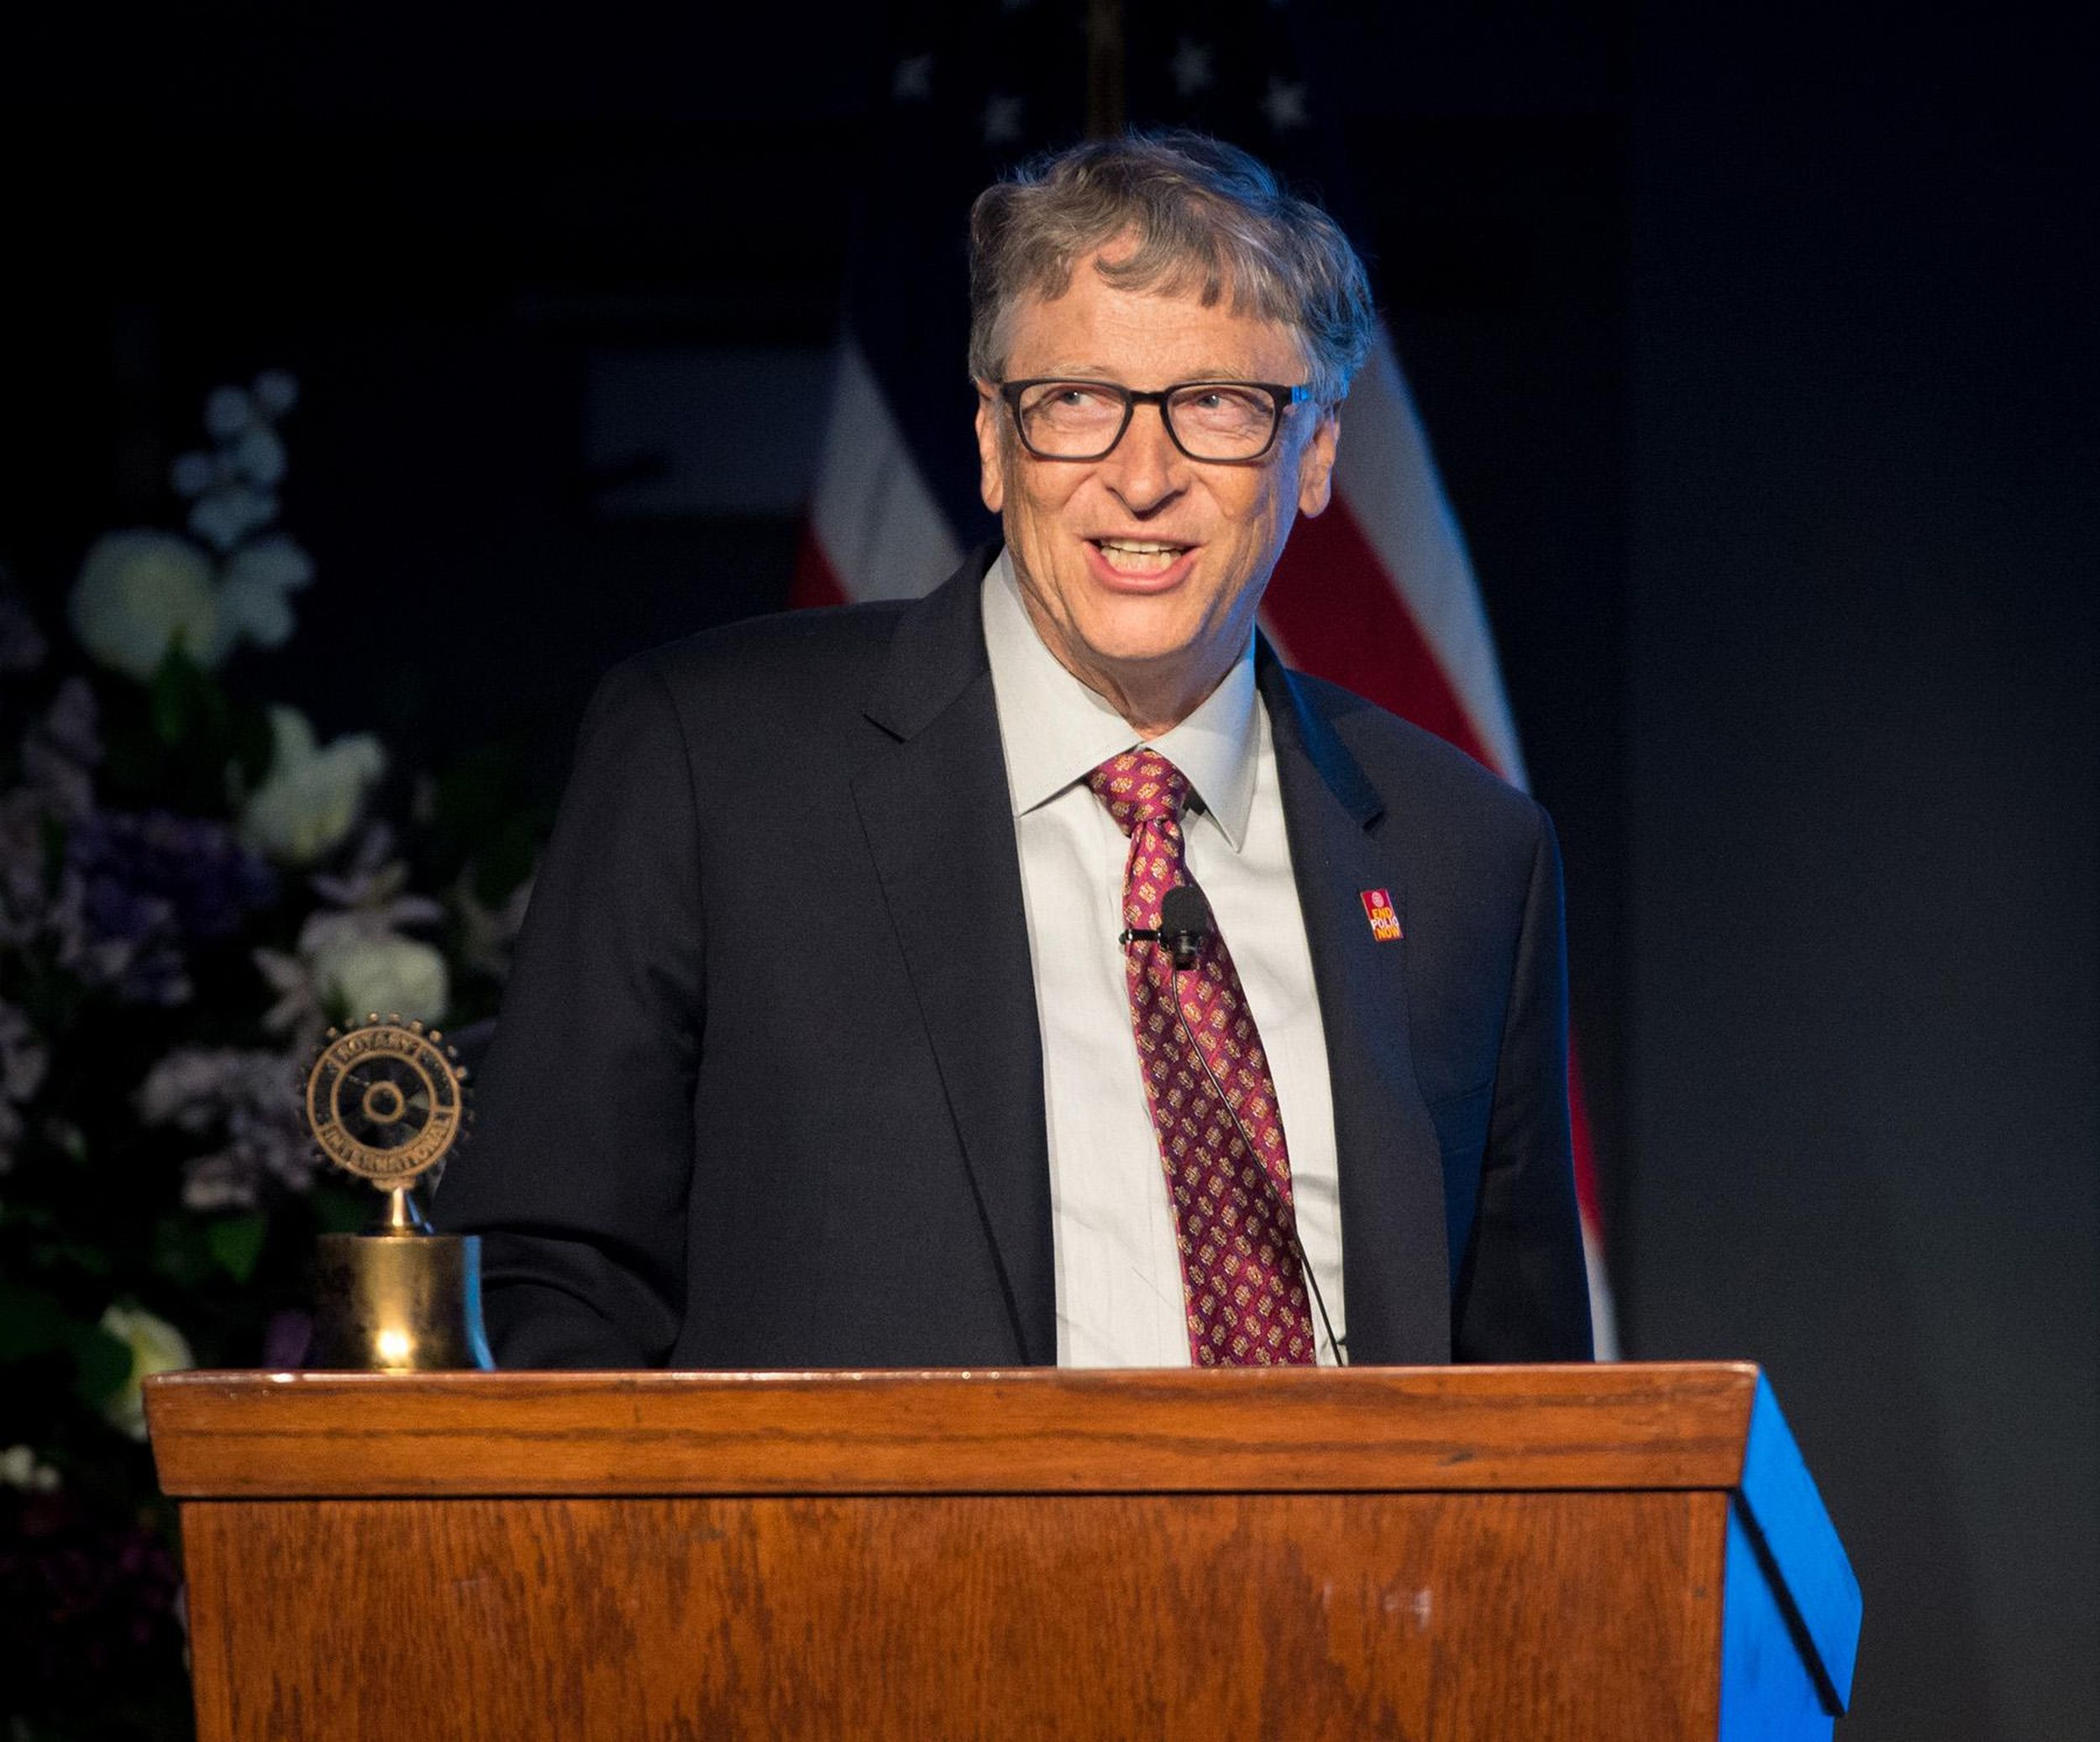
x=205 y=881
x=248 y=1100
x=22 y=644
x=61 y=751
x=86 y=1595
x=156 y=882
x=287 y=1338
x=23 y=1062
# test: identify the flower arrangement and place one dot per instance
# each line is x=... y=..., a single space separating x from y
x=192 y=887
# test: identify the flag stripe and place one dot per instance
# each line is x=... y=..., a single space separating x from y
x=815 y=582
x=1332 y=610
x=1384 y=472
x=873 y=515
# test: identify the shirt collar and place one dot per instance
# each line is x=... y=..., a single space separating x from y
x=1055 y=731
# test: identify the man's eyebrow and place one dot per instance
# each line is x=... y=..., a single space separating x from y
x=1101 y=372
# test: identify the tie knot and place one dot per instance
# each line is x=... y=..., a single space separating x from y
x=1139 y=786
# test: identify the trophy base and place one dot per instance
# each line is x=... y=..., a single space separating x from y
x=399 y=1302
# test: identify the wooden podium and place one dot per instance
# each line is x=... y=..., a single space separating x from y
x=1520 y=1554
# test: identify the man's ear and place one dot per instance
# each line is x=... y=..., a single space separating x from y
x=1316 y=464
x=991 y=467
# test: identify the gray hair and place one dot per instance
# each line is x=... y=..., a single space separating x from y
x=1208 y=219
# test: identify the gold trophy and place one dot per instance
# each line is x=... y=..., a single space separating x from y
x=387 y=1100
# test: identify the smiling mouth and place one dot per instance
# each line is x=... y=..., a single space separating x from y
x=1140 y=556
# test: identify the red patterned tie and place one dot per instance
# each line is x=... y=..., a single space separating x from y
x=1239 y=1273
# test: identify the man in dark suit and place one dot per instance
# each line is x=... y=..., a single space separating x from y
x=851 y=1025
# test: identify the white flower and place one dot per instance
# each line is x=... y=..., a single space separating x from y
x=249 y=1099
x=298 y=1011
x=309 y=801
x=256 y=614
x=260 y=456
x=359 y=958
x=21 y=1468
x=276 y=562
x=192 y=474
x=369 y=904
x=276 y=391
x=251 y=597
x=372 y=894
x=227 y=413
x=140 y=593
x=156 y=1347
x=60 y=753
x=384 y=974
x=222 y=517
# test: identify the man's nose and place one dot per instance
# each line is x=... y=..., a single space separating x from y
x=1145 y=468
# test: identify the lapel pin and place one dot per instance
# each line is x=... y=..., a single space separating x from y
x=1377 y=908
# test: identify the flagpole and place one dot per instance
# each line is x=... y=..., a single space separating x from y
x=1105 y=109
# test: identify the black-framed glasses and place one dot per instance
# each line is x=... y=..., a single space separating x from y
x=1222 y=422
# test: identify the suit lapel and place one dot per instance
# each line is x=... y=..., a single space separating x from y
x=938 y=819
x=1395 y=1270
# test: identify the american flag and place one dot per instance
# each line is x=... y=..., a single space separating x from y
x=1377 y=594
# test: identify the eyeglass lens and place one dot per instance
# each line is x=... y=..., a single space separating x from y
x=1082 y=420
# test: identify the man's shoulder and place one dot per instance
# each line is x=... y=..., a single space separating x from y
x=1410 y=767
x=787 y=673
x=793 y=654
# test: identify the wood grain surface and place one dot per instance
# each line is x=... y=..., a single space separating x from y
x=1574 y=1616
x=1564 y=1552
x=1630 y=1426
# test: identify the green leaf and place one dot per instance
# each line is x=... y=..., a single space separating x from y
x=183 y=1252
x=187 y=704
x=342 y=1208
x=237 y=1242
x=483 y=815
x=102 y=1364
x=89 y=1260
x=184 y=697
x=506 y=859
x=251 y=746
x=33 y=1322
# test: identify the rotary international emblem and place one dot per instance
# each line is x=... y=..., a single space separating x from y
x=386 y=1099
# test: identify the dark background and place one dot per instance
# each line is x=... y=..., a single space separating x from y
x=1762 y=376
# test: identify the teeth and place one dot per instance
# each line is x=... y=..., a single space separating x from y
x=1140 y=556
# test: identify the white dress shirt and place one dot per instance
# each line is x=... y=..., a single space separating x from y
x=1120 y=1298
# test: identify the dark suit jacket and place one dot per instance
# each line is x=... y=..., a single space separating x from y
x=767 y=1091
